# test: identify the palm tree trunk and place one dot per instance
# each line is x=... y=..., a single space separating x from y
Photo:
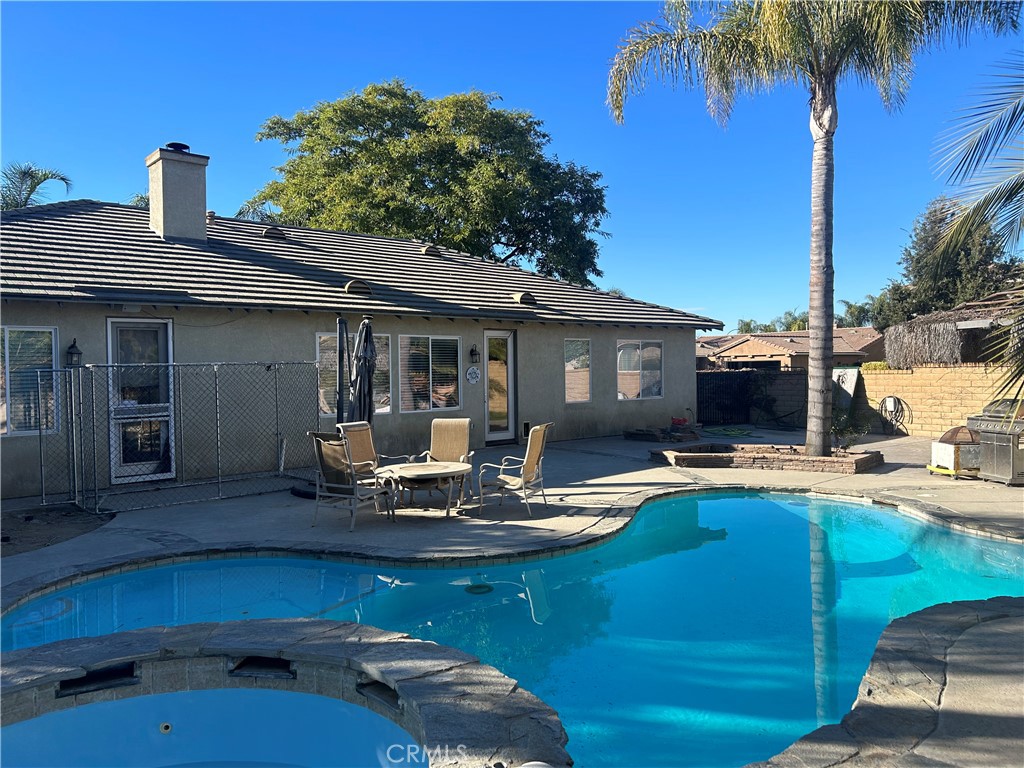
x=820 y=310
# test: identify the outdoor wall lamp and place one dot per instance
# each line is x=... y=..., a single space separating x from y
x=474 y=355
x=74 y=355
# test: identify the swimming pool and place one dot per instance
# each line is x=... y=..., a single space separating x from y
x=714 y=631
x=268 y=728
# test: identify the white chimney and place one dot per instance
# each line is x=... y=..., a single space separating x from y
x=177 y=193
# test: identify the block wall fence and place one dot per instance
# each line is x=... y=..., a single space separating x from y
x=939 y=397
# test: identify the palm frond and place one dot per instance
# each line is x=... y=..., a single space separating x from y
x=982 y=131
x=1006 y=349
x=984 y=154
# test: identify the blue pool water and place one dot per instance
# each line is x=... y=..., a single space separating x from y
x=250 y=728
x=714 y=631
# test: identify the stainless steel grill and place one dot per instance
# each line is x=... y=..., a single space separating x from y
x=1000 y=426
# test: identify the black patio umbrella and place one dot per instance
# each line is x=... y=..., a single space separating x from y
x=364 y=363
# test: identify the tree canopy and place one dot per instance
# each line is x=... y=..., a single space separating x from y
x=979 y=267
x=21 y=184
x=455 y=171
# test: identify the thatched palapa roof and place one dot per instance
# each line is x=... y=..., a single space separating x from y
x=939 y=338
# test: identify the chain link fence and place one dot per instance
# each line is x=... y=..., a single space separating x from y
x=137 y=436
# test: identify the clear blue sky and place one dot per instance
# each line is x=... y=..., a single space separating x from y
x=705 y=219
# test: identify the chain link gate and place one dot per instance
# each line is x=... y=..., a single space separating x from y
x=138 y=436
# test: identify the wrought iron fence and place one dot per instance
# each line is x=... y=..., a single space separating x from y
x=761 y=397
x=136 y=436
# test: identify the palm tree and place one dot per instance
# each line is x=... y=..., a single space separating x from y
x=749 y=46
x=21 y=183
x=983 y=155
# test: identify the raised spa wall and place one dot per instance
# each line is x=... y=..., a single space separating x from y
x=743 y=456
x=439 y=695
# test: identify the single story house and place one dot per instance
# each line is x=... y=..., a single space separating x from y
x=143 y=293
x=786 y=350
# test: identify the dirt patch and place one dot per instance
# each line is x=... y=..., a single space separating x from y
x=25 y=530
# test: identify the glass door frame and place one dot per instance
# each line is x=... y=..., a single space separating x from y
x=509 y=434
x=121 y=413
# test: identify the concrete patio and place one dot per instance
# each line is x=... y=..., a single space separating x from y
x=593 y=487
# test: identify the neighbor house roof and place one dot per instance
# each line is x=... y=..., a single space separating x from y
x=88 y=251
x=845 y=341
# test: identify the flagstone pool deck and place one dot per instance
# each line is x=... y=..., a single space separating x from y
x=946 y=686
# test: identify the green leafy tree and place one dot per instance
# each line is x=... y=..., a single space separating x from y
x=21 y=184
x=139 y=200
x=454 y=171
x=749 y=47
x=933 y=281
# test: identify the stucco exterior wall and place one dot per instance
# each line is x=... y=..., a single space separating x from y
x=220 y=335
x=939 y=397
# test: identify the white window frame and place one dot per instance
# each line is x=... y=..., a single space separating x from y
x=54 y=364
x=430 y=368
x=590 y=372
x=640 y=370
x=333 y=335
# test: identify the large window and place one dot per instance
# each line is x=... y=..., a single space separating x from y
x=429 y=372
x=577 y=370
x=639 y=369
x=27 y=402
x=327 y=357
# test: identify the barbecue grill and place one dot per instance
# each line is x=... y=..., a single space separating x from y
x=1000 y=426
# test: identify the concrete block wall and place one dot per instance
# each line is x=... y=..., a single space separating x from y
x=939 y=397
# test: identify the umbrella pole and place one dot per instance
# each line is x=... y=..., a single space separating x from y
x=342 y=404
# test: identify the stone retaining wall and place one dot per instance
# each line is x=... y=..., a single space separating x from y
x=441 y=696
x=938 y=397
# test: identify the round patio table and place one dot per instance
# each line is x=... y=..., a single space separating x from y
x=419 y=472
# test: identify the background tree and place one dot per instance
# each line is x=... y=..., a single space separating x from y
x=454 y=171
x=790 y=320
x=748 y=47
x=933 y=281
x=856 y=314
x=138 y=200
x=21 y=184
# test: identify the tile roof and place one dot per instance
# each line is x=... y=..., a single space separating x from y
x=845 y=341
x=90 y=251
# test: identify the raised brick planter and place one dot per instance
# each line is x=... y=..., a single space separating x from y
x=782 y=457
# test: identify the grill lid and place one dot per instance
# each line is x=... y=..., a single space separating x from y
x=1007 y=408
x=960 y=436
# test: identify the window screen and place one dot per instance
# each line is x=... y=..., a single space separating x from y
x=26 y=401
x=429 y=372
x=577 y=370
x=639 y=369
x=327 y=357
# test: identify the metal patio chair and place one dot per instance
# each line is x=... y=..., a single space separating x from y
x=449 y=441
x=339 y=485
x=365 y=458
x=520 y=475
